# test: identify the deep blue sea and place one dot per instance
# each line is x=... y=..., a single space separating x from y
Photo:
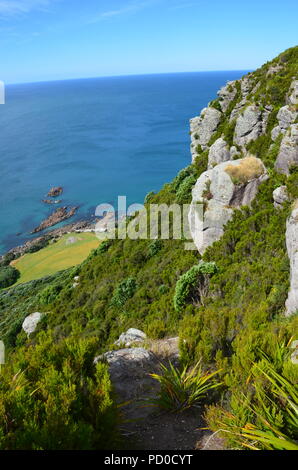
x=98 y=138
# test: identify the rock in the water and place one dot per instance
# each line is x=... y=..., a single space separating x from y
x=250 y=125
x=226 y=95
x=218 y=153
x=280 y=196
x=288 y=152
x=56 y=191
x=30 y=323
x=56 y=217
x=227 y=186
x=130 y=337
x=202 y=127
x=292 y=248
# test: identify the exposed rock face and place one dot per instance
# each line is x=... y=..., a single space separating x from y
x=218 y=153
x=292 y=248
x=55 y=218
x=130 y=369
x=280 y=196
x=286 y=116
x=202 y=128
x=292 y=98
x=30 y=323
x=288 y=152
x=220 y=193
x=131 y=337
x=250 y=125
x=226 y=95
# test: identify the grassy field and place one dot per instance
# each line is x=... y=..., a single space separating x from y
x=68 y=251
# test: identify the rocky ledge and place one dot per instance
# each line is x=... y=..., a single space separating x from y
x=62 y=213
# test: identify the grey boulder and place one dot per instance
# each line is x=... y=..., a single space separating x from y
x=30 y=323
x=132 y=336
x=292 y=249
x=218 y=153
x=288 y=152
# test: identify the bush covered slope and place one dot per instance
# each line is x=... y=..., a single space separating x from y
x=238 y=317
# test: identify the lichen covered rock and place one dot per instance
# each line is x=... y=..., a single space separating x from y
x=292 y=249
x=130 y=337
x=288 y=152
x=219 y=191
x=280 y=196
x=202 y=127
x=250 y=124
x=30 y=323
x=226 y=95
x=218 y=153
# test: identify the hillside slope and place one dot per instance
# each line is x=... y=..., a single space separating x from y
x=239 y=316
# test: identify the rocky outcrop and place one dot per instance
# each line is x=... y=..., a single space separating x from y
x=292 y=249
x=292 y=98
x=226 y=95
x=55 y=218
x=202 y=127
x=218 y=153
x=56 y=191
x=51 y=201
x=132 y=336
x=250 y=124
x=30 y=323
x=219 y=191
x=288 y=152
x=286 y=116
x=280 y=196
x=129 y=370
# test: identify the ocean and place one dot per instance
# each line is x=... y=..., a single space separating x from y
x=98 y=138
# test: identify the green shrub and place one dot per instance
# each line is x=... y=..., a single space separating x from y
x=154 y=247
x=8 y=276
x=38 y=246
x=124 y=291
x=149 y=197
x=193 y=285
x=183 y=194
x=49 y=294
x=53 y=398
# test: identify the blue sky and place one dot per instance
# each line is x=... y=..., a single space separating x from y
x=59 y=39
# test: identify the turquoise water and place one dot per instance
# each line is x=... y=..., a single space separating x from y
x=98 y=138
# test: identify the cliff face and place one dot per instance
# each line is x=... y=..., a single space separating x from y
x=248 y=133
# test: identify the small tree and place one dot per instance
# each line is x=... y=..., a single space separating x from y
x=194 y=284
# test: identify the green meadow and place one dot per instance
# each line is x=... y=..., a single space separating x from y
x=71 y=249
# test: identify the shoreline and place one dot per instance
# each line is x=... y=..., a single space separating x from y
x=79 y=227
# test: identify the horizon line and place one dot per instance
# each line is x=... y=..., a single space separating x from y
x=124 y=75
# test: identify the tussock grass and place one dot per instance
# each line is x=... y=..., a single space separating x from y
x=249 y=168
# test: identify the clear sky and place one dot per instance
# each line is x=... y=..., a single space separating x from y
x=59 y=39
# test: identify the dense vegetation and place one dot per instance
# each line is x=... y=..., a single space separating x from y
x=227 y=308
